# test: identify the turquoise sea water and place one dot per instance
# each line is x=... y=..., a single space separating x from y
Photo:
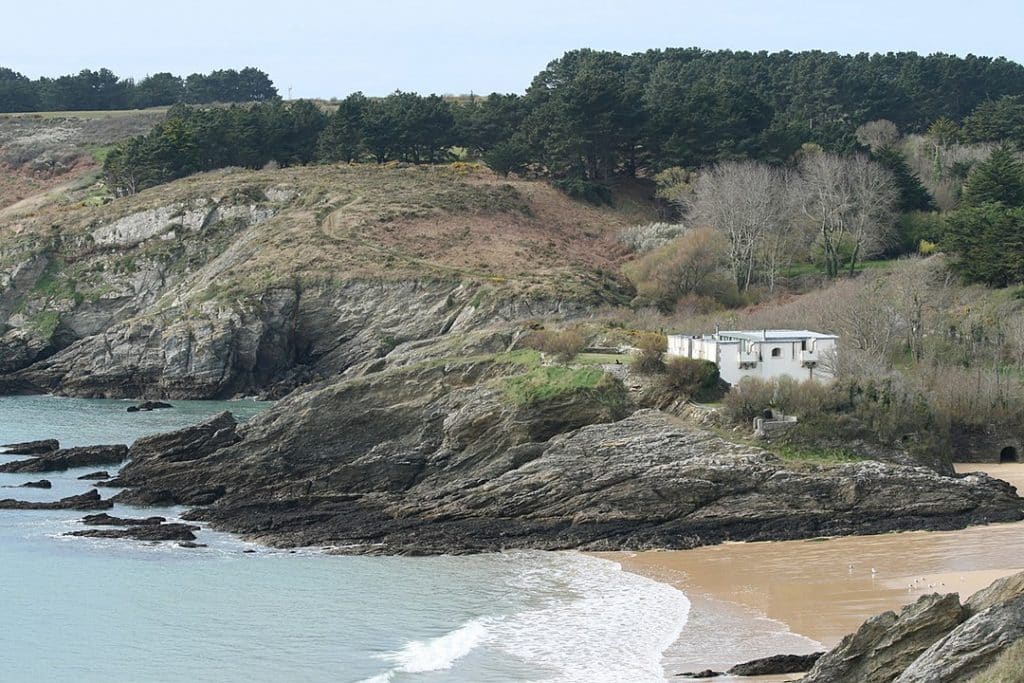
x=87 y=610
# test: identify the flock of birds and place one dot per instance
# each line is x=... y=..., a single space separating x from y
x=916 y=584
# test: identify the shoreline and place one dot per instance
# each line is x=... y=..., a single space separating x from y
x=802 y=596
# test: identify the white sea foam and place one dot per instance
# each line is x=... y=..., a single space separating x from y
x=434 y=654
x=438 y=654
x=585 y=620
x=614 y=630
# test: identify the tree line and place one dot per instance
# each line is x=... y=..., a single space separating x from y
x=592 y=115
x=104 y=90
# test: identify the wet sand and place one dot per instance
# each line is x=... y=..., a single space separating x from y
x=756 y=599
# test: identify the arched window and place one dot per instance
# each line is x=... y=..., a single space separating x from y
x=776 y=352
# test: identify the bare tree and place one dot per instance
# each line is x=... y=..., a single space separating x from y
x=851 y=202
x=878 y=135
x=746 y=201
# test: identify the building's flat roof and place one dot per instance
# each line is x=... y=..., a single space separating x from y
x=766 y=335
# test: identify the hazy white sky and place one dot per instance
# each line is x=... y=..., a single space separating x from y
x=321 y=48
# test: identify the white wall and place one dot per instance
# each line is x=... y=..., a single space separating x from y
x=757 y=356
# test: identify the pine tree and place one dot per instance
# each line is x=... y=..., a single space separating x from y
x=1000 y=178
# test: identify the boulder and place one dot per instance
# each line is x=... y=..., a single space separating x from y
x=31 y=447
x=86 y=501
x=885 y=645
x=67 y=458
x=776 y=664
x=41 y=484
x=971 y=647
x=706 y=673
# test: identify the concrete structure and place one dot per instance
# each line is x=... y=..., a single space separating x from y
x=763 y=353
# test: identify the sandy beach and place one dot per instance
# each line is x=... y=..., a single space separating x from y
x=757 y=599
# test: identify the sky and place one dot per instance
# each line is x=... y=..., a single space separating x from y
x=324 y=48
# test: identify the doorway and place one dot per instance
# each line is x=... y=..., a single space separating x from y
x=1008 y=454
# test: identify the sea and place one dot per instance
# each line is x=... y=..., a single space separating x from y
x=77 y=609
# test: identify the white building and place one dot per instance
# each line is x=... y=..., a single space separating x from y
x=762 y=353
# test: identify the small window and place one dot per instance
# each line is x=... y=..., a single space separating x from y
x=803 y=345
x=776 y=352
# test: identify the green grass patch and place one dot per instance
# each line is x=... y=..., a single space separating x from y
x=824 y=456
x=601 y=358
x=801 y=269
x=545 y=383
x=44 y=324
x=99 y=152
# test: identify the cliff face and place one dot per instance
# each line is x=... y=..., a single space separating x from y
x=242 y=282
x=436 y=457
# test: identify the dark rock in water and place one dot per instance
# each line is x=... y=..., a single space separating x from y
x=250 y=550
x=105 y=519
x=146 y=406
x=887 y=644
x=31 y=447
x=143 y=532
x=67 y=458
x=102 y=474
x=776 y=664
x=41 y=484
x=706 y=673
x=86 y=501
x=191 y=544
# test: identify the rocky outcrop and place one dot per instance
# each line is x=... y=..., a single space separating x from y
x=935 y=640
x=67 y=458
x=240 y=283
x=971 y=647
x=435 y=457
x=31 y=447
x=95 y=476
x=103 y=519
x=41 y=484
x=143 y=532
x=885 y=645
x=86 y=501
x=776 y=664
x=147 y=406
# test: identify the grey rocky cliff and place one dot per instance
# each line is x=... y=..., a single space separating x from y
x=433 y=457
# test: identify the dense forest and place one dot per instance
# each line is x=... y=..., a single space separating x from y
x=104 y=90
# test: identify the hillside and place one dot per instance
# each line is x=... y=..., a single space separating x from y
x=40 y=152
x=234 y=281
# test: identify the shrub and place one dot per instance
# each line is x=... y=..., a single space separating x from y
x=692 y=264
x=562 y=344
x=587 y=190
x=691 y=377
x=651 y=346
x=747 y=399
